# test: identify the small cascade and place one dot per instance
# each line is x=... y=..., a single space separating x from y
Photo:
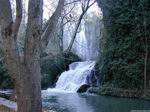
x=71 y=80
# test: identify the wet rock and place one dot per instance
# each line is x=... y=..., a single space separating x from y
x=94 y=90
x=83 y=88
x=92 y=78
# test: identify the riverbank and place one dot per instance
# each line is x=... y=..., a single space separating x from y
x=66 y=101
x=103 y=90
x=11 y=106
x=7 y=105
x=119 y=92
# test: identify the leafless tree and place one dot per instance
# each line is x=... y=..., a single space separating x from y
x=50 y=27
x=25 y=73
x=85 y=5
x=69 y=16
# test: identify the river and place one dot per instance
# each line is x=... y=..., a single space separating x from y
x=64 y=97
x=74 y=102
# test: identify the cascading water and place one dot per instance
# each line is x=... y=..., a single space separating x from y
x=76 y=76
x=86 y=46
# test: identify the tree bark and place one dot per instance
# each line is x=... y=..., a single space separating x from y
x=31 y=70
x=146 y=55
x=51 y=25
x=85 y=6
x=29 y=95
x=26 y=74
x=75 y=33
x=145 y=68
x=61 y=36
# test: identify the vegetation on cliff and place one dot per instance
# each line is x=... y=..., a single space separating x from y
x=124 y=60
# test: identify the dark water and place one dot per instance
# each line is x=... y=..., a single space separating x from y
x=73 y=102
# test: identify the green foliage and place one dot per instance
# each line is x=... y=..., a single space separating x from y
x=122 y=58
x=5 y=81
x=52 y=67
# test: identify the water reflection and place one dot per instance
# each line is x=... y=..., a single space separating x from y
x=73 y=102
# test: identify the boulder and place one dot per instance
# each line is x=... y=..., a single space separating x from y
x=83 y=88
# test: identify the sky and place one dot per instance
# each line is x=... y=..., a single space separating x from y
x=49 y=7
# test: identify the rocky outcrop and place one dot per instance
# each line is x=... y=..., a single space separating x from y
x=92 y=78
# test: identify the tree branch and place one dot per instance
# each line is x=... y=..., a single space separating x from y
x=92 y=3
x=51 y=24
x=85 y=6
x=9 y=47
x=33 y=32
x=71 y=2
x=18 y=19
x=5 y=14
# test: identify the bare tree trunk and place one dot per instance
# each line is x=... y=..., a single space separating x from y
x=61 y=36
x=75 y=33
x=8 y=31
x=29 y=94
x=26 y=74
x=85 y=6
x=146 y=55
x=51 y=25
x=31 y=71
x=145 y=68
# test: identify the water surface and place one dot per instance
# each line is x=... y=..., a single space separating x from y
x=74 y=102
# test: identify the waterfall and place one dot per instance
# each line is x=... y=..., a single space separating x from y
x=86 y=44
x=75 y=77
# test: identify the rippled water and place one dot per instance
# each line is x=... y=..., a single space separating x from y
x=74 y=102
